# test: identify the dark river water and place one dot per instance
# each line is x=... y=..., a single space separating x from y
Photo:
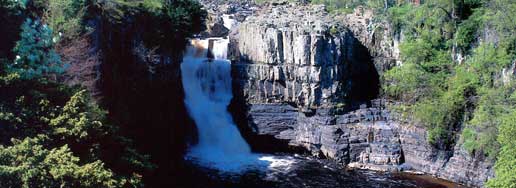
x=306 y=172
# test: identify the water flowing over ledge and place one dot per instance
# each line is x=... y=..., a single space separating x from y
x=206 y=76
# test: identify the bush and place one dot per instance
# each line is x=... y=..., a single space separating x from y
x=483 y=128
x=11 y=18
x=467 y=30
x=405 y=82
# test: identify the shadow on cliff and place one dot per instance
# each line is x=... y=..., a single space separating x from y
x=143 y=92
x=361 y=81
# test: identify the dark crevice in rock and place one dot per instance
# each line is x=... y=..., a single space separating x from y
x=362 y=82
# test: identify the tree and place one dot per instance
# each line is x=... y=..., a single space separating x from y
x=52 y=135
x=35 y=54
x=29 y=164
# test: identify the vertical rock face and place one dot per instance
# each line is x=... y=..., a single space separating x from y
x=297 y=70
x=280 y=59
x=295 y=54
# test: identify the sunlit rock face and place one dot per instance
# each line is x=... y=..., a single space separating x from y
x=280 y=59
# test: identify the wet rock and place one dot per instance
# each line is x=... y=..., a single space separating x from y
x=272 y=119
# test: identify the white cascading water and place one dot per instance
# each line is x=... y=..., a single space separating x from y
x=208 y=92
x=228 y=21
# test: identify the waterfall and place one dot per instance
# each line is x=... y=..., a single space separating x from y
x=228 y=20
x=206 y=76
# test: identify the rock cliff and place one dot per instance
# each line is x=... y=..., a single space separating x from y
x=308 y=62
x=305 y=77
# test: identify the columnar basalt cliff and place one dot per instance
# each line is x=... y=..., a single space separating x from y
x=305 y=77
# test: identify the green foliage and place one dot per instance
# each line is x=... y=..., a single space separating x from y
x=117 y=10
x=11 y=19
x=78 y=118
x=179 y=20
x=401 y=79
x=396 y=15
x=441 y=114
x=29 y=164
x=505 y=167
x=60 y=137
x=487 y=60
x=35 y=54
x=12 y=6
x=65 y=17
x=340 y=6
x=467 y=30
x=167 y=23
x=347 y=6
x=500 y=14
x=440 y=93
x=483 y=128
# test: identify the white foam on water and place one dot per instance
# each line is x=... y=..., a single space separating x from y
x=278 y=163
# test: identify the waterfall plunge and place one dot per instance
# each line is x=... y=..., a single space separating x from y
x=208 y=92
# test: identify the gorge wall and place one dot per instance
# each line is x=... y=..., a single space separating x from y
x=305 y=78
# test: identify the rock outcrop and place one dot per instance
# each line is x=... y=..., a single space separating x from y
x=457 y=165
x=307 y=78
x=381 y=39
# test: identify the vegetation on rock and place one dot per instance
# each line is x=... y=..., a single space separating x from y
x=452 y=79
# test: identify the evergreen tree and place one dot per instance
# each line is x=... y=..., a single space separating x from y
x=34 y=51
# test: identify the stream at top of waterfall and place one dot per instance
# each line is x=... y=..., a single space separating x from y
x=222 y=158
